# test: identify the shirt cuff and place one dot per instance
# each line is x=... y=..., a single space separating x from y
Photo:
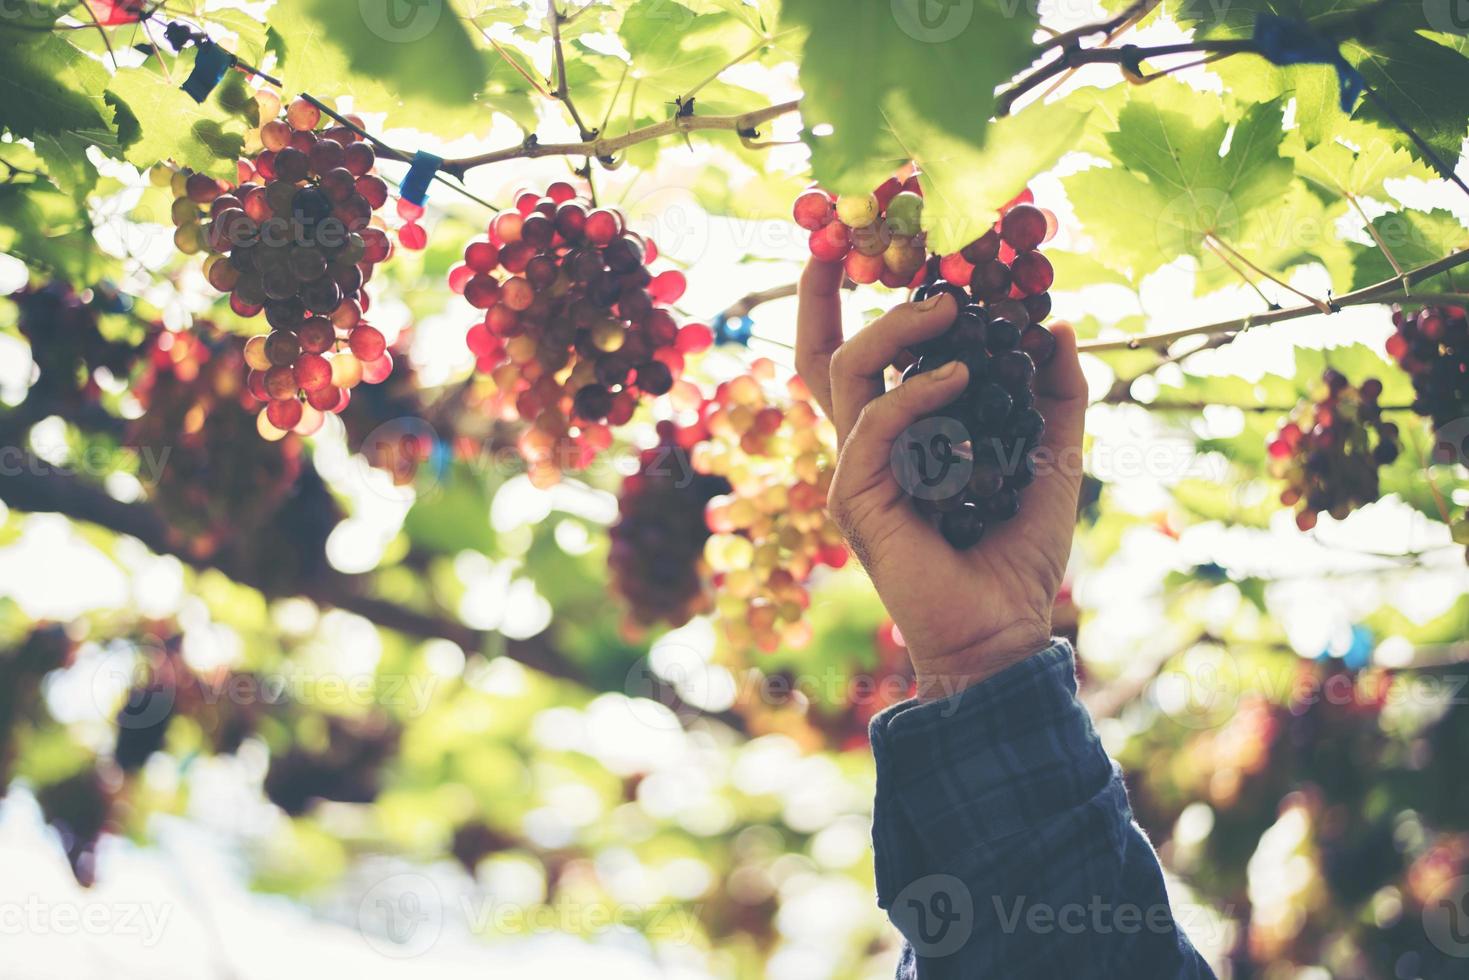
x=993 y=760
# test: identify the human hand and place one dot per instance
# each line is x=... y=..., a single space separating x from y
x=965 y=615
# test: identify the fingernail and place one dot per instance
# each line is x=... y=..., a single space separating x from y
x=932 y=302
x=946 y=372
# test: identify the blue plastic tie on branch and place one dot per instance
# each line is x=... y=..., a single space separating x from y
x=1287 y=41
x=732 y=330
x=414 y=188
x=210 y=64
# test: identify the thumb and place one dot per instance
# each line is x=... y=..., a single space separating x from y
x=868 y=452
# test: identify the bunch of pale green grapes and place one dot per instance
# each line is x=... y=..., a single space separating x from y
x=771 y=531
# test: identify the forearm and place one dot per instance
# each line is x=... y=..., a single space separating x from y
x=1004 y=842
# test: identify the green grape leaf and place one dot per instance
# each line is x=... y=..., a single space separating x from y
x=48 y=86
x=1414 y=238
x=1297 y=229
x=48 y=229
x=65 y=155
x=172 y=126
x=965 y=186
x=895 y=61
x=313 y=61
x=1341 y=171
x=1076 y=270
x=1425 y=83
x=253 y=35
x=419 y=50
x=673 y=50
x=1172 y=185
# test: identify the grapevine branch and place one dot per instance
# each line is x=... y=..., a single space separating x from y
x=1380 y=292
x=744 y=124
x=38 y=487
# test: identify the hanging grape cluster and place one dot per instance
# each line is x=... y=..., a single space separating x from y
x=296 y=238
x=657 y=553
x=771 y=531
x=1001 y=284
x=576 y=328
x=1329 y=451
x=1433 y=347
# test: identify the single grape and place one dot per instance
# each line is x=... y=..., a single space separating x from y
x=963 y=528
x=830 y=243
x=283 y=413
x=814 y=209
x=990 y=282
x=905 y=214
x=1032 y=273
x=857 y=210
x=1023 y=227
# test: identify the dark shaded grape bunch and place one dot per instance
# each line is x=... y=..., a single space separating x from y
x=576 y=328
x=67 y=342
x=1330 y=449
x=1433 y=347
x=999 y=336
x=657 y=554
x=202 y=463
x=347 y=770
x=297 y=239
x=79 y=808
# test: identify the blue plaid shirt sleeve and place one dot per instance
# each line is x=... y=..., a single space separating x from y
x=1005 y=846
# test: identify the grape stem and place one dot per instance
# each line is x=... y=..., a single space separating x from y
x=1380 y=292
x=562 y=92
x=601 y=147
x=1239 y=257
x=1072 y=55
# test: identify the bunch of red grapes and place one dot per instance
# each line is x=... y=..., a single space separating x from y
x=1000 y=283
x=1329 y=451
x=657 y=554
x=878 y=236
x=576 y=328
x=296 y=238
x=771 y=531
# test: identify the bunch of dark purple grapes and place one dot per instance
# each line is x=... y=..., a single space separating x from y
x=999 y=337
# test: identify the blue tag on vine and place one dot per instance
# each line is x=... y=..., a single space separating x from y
x=732 y=330
x=210 y=64
x=414 y=188
x=1287 y=41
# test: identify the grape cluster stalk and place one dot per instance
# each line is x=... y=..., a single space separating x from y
x=296 y=237
x=576 y=328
